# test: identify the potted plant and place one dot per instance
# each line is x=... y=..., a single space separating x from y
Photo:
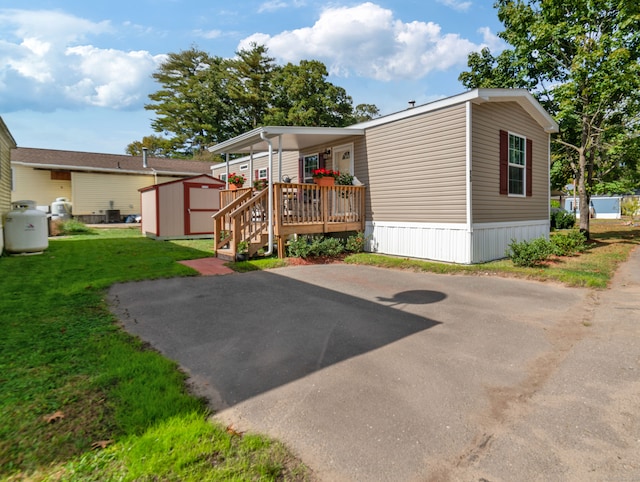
x=235 y=181
x=260 y=184
x=344 y=179
x=242 y=252
x=325 y=177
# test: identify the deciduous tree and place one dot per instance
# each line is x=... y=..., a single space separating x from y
x=580 y=57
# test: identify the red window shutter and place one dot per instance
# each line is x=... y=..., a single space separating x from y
x=300 y=170
x=504 y=162
x=529 y=161
x=256 y=174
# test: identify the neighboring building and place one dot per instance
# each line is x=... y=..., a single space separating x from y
x=7 y=142
x=454 y=180
x=602 y=207
x=181 y=209
x=100 y=187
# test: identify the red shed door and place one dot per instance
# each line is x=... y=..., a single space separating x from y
x=201 y=201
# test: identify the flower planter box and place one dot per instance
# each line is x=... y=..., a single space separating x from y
x=325 y=181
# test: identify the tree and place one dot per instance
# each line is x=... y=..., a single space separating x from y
x=156 y=147
x=302 y=96
x=365 y=112
x=192 y=105
x=204 y=100
x=581 y=59
x=250 y=75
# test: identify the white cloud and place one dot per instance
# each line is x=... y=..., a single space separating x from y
x=109 y=78
x=456 y=4
x=368 y=41
x=46 y=63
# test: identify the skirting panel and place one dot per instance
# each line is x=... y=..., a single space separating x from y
x=491 y=241
x=451 y=243
x=439 y=242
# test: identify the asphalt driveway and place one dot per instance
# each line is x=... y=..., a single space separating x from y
x=373 y=374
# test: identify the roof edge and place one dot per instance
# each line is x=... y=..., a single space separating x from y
x=521 y=96
x=59 y=167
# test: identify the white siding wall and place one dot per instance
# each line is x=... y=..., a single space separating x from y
x=491 y=240
x=442 y=242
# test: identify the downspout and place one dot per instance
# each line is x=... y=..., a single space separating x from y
x=469 y=151
x=269 y=251
x=227 y=176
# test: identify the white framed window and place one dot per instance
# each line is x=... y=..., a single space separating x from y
x=244 y=167
x=262 y=173
x=309 y=164
x=223 y=176
x=517 y=165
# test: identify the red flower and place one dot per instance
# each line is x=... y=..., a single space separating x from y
x=325 y=173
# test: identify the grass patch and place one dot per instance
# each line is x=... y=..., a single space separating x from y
x=71 y=378
x=610 y=244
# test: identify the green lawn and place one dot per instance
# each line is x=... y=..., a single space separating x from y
x=610 y=244
x=71 y=379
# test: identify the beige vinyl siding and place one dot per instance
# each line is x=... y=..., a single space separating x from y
x=149 y=212
x=488 y=205
x=6 y=144
x=289 y=166
x=37 y=185
x=415 y=168
x=171 y=208
x=92 y=192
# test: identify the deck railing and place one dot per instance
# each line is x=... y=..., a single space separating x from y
x=298 y=209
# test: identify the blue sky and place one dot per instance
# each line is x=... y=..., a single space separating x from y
x=76 y=75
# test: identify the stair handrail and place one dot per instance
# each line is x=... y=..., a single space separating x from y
x=221 y=235
x=248 y=223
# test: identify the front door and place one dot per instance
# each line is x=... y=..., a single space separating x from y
x=201 y=201
x=343 y=158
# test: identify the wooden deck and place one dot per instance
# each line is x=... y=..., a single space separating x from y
x=298 y=209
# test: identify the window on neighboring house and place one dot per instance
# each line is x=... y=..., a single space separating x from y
x=262 y=173
x=515 y=164
x=244 y=167
x=310 y=164
x=223 y=177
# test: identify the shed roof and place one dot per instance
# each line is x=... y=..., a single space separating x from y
x=111 y=163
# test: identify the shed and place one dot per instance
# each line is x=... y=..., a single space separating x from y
x=602 y=207
x=180 y=209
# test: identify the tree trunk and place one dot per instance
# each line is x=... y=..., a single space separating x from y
x=585 y=198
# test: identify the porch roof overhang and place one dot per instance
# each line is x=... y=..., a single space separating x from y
x=285 y=138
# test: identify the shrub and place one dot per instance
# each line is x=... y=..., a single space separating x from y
x=299 y=247
x=567 y=244
x=561 y=219
x=355 y=243
x=305 y=246
x=331 y=247
x=529 y=253
x=630 y=207
x=74 y=227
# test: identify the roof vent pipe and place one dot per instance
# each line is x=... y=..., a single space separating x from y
x=144 y=158
x=412 y=104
